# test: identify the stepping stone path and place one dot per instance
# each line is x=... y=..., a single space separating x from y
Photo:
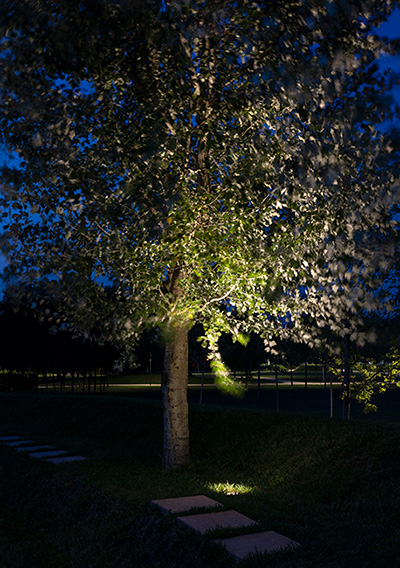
x=43 y=452
x=18 y=443
x=265 y=542
x=184 y=504
x=34 y=448
x=66 y=459
x=48 y=454
x=212 y=521
x=239 y=546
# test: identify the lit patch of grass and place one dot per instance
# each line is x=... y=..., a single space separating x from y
x=229 y=488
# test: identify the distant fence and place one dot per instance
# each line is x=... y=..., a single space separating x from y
x=17 y=382
x=91 y=382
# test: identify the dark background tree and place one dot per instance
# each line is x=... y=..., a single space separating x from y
x=32 y=344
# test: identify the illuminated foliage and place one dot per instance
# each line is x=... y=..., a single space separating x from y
x=375 y=377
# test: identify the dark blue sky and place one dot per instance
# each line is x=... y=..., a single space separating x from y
x=391 y=29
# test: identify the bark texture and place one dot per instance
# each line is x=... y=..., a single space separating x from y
x=174 y=387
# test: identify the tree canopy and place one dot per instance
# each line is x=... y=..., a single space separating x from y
x=217 y=162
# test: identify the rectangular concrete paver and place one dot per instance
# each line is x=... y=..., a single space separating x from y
x=265 y=542
x=49 y=454
x=19 y=443
x=34 y=448
x=221 y=520
x=184 y=504
x=9 y=438
x=66 y=459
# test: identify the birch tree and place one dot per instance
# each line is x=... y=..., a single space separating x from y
x=216 y=162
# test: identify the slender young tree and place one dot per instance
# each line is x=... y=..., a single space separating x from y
x=217 y=162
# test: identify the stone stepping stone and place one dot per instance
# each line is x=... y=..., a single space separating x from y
x=265 y=542
x=66 y=459
x=221 y=520
x=19 y=443
x=184 y=504
x=9 y=438
x=49 y=454
x=34 y=448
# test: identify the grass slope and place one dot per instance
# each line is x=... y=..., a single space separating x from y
x=332 y=486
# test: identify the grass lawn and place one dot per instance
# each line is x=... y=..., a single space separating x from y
x=331 y=485
x=314 y=373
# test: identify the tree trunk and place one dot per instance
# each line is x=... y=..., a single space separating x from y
x=276 y=389
x=346 y=379
x=174 y=389
x=331 y=394
x=202 y=379
x=258 y=370
x=305 y=375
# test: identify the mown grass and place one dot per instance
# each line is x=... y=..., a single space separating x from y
x=333 y=486
x=314 y=373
